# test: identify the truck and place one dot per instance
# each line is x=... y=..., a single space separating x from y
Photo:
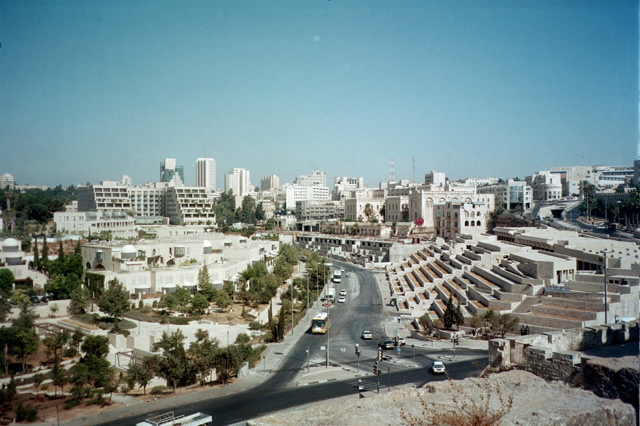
x=331 y=293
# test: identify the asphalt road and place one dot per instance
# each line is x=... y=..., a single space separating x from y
x=363 y=310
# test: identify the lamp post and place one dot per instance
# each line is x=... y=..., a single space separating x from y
x=329 y=265
x=307 y=352
x=308 y=316
x=293 y=324
x=606 y=302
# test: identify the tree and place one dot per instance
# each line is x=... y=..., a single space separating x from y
x=260 y=214
x=449 y=314
x=204 y=284
x=226 y=362
x=281 y=324
x=173 y=364
x=223 y=300
x=504 y=323
x=199 y=303
x=426 y=323
x=202 y=353
x=5 y=309
x=115 y=300
x=80 y=300
x=142 y=372
x=6 y=281
x=458 y=317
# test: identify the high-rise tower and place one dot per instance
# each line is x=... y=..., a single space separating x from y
x=206 y=173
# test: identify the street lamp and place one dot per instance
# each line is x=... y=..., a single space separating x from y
x=606 y=302
x=327 y=265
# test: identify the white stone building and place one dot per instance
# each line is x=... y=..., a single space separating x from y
x=238 y=182
x=161 y=265
x=315 y=178
x=295 y=193
x=120 y=224
x=206 y=173
x=512 y=193
x=453 y=218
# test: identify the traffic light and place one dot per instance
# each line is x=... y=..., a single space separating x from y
x=379 y=354
x=376 y=369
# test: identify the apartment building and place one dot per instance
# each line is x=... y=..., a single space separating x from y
x=269 y=182
x=454 y=217
x=189 y=205
x=546 y=185
x=512 y=193
x=161 y=265
x=206 y=173
x=108 y=196
x=119 y=223
x=315 y=178
x=238 y=182
x=294 y=193
x=397 y=209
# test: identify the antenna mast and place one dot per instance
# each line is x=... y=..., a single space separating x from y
x=392 y=171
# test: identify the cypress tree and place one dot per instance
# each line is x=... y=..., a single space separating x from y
x=60 y=250
x=45 y=249
x=449 y=314
x=36 y=256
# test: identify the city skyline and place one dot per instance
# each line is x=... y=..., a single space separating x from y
x=95 y=91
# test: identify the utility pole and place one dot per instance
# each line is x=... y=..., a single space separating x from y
x=606 y=302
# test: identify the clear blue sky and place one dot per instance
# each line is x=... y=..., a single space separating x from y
x=92 y=90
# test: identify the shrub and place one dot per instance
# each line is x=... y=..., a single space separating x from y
x=158 y=390
x=26 y=413
x=243 y=338
x=125 y=389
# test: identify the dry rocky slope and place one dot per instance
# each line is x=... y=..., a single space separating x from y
x=512 y=398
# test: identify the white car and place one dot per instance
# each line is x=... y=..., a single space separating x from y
x=366 y=335
x=342 y=299
x=438 y=368
x=343 y=292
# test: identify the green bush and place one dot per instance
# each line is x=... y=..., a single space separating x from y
x=180 y=320
x=125 y=389
x=243 y=338
x=26 y=413
x=158 y=390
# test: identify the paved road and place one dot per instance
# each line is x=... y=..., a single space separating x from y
x=286 y=378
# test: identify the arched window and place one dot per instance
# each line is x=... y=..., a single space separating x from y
x=473 y=223
x=466 y=223
x=478 y=223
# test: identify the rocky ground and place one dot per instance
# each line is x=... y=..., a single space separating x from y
x=508 y=398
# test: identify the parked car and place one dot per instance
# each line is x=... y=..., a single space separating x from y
x=367 y=335
x=34 y=299
x=387 y=344
x=45 y=299
x=438 y=368
x=401 y=341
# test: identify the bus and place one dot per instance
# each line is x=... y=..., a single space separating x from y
x=320 y=323
x=337 y=276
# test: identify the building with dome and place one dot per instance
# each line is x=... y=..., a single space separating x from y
x=12 y=258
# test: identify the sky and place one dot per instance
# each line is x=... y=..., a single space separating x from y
x=93 y=90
